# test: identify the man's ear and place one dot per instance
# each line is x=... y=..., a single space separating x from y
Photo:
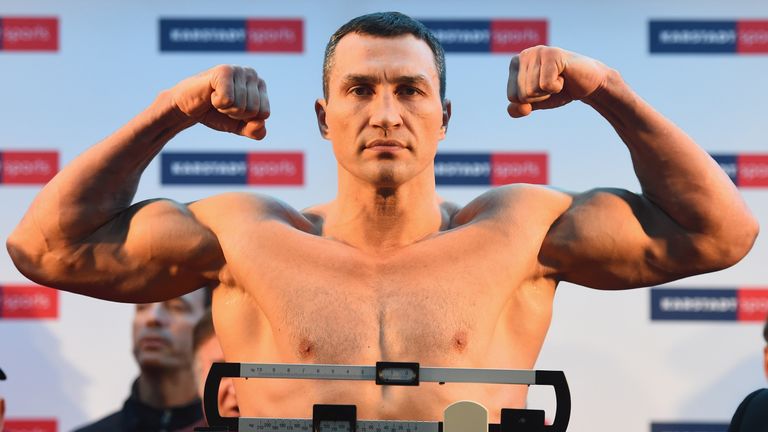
x=320 y=112
x=446 y=115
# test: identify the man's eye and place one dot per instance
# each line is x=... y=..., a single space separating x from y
x=176 y=306
x=361 y=91
x=409 y=91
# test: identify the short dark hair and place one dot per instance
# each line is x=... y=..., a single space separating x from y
x=203 y=330
x=765 y=330
x=385 y=24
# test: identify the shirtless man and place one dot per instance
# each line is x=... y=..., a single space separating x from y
x=387 y=270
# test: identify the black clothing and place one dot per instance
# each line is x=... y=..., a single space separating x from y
x=136 y=416
x=752 y=413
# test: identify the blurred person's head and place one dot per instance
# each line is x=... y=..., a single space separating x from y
x=208 y=351
x=765 y=349
x=162 y=331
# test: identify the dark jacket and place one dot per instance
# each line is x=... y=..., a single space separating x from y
x=752 y=413
x=139 y=417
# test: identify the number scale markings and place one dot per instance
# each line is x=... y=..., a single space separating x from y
x=305 y=425
x=366 y=373
x=363 y=373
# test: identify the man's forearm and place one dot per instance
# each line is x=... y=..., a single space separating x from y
x=102 y=181
x=674 y=172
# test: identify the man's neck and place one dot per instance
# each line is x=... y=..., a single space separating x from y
x=381 y=218
x=167 y=388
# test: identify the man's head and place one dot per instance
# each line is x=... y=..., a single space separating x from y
x=208 y=351
x=162 y=331
x=765 y=349
x=383 y=108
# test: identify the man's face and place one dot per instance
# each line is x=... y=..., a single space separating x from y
x=208 y=353
x=162 y=332
x=383 y=114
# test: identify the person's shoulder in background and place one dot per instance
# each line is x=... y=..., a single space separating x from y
x=752 y=413
x=111 y=422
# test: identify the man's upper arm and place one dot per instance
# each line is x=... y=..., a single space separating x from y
x=615 y=239
x=152 y=251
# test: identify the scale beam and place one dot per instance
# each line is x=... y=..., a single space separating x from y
x=343 y=418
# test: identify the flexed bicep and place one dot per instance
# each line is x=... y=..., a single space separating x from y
x=152 y=251
x=615 y=239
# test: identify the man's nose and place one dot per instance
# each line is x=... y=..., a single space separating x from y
x=385 y=112
x=157 y=315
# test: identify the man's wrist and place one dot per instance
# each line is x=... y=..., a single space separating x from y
x=620 y=105
x=612 y=89
x=169 y=114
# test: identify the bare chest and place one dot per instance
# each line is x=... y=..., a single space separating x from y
x=390 y=314
x=442 y=303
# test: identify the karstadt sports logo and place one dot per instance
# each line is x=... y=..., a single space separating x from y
x=256 y=168
x=28 y=302
x=697 y=36
x=28 y=167
x=745 y=170
x=29 y=34
x=484 y=169
x=223 y=35
x=693 y=304
x=496 y=36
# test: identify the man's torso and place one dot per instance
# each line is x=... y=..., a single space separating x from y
x=469 y=296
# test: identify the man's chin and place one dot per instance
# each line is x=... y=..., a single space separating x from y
x=151 y=363
x=386 y=177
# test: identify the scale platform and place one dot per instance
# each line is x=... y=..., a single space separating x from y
x=343 y=418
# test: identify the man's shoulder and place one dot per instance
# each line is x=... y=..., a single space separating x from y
x=518 y=198
x=239 y=199
x=111 y=422
x=525 y=190
x=244 y=202
x=752 y=413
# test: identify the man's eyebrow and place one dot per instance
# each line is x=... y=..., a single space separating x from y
x=183 y=301
x=358 y=79
x=411 y=79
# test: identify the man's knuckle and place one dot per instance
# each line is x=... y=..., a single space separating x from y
x=251 y=73
x=549 y=86
x=224 y=100
x=223 y=70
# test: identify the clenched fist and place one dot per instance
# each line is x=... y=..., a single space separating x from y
x=226 y=98
x=545 y=77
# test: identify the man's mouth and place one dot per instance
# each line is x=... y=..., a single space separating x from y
x=150 y=342
x=385 y=145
